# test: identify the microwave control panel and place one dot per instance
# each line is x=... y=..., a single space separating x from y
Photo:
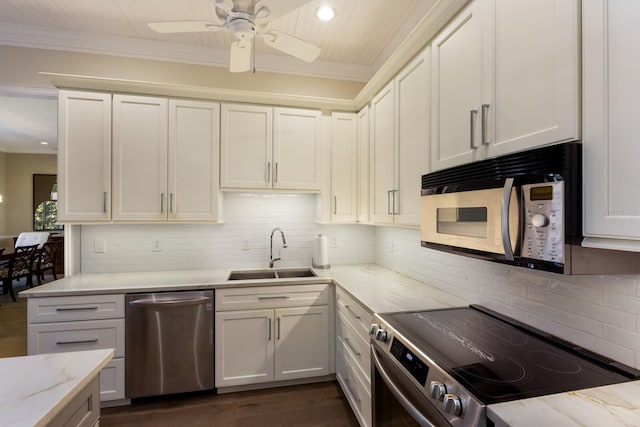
x=543 y=237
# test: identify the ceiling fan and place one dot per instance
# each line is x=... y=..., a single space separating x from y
x=245 y=19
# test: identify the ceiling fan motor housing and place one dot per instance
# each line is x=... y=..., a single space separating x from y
x=242 y=29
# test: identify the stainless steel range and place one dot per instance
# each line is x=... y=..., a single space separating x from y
x=443 y=367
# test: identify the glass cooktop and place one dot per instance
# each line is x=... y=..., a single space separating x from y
x=497 y=361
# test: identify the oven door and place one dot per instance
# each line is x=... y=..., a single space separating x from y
x=395 y=400
x=485 y=220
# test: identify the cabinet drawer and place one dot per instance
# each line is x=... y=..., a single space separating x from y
x=271 y=297
x=354 y=345
x=354 y=313
x=62 y=309
x=357 y=389
x=112 y=380
x=76 y=336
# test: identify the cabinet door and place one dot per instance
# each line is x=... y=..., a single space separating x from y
x=296 y=149
x=533 y=75
x=194 y=144
x=611 y=126
x=344 y=163
x=412 y=152
x=363 y=165
x=139 y=158
x=302 y=342
x=382 y=143
x=244 y=347
x=245 y=146
x=456 y=82
x=84 y=156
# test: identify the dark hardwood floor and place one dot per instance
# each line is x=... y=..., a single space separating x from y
x=321 y=404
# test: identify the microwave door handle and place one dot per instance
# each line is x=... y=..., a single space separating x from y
x=506 y=202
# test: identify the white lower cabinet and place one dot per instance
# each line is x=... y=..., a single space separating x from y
x=353 y=354
x=62 y=324
x=260 y=337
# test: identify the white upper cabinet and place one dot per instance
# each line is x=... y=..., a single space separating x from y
x=265 y=147
x=344 y=167
x=84 y=156
x=194 y=146
x=611 y=102
x=399 y=144
x=505 y=78
x=140 y=126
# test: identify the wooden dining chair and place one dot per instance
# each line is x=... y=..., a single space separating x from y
x=20 y=265
x=46 y=261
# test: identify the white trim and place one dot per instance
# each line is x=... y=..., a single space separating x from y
x=608 y=243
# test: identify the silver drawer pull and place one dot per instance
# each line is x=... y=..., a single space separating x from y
x=275 y=297
x=347 y=341
x=352 y=312
x=93 y=341
x=89 y=308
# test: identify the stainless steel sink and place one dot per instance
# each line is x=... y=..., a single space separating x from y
x=271 y=274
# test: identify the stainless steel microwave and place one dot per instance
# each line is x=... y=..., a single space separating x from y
x=521 y=209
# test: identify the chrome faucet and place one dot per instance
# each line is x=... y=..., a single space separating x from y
x=284 y=245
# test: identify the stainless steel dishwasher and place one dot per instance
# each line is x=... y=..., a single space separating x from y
x=169 y=343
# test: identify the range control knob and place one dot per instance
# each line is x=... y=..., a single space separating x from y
x=437 y=390
x=374 y=329
x=452 y=404
x=539 y=220
x=381 y=335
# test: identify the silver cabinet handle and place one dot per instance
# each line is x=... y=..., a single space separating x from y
x=275 y=175
x=388 y=202
x=161 y=202
x=347 y=341
x=347 y=382
x=506 y=201
x=90 y=341
x=274 y=297
x=104 y=202
x=170 y=202
x=278 y=330
x=268 y=172
x=485 y=113
x=473 y=114
x=269 y=330
x=353 y=313
x=88 y=308
x=335 y=204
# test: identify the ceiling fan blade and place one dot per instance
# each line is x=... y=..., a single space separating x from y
x=278 y=8
x=240 y=59
x=292 y=45
x=184 y=26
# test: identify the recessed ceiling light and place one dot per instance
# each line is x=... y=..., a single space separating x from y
x=325 y=13
x=44 y=143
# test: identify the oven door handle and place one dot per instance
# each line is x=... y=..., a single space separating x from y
x=506 y=235
x=413 y=411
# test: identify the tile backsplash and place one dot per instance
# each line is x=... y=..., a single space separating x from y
x=241 y=242
x=600 y=313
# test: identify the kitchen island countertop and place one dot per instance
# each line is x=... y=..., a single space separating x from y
x=54 y=381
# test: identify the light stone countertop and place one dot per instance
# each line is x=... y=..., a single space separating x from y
x=54 y=381
x=381 y=290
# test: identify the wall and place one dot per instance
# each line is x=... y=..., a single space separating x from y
x=3 y=221
x=206 y=246
x=600 y=313
x=19 y=170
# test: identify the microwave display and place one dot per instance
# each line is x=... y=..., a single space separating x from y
x=541 y=193
x=467 y=221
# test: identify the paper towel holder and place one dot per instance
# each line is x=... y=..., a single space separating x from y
x=319 y=266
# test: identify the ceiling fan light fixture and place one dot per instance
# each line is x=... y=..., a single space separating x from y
x=325 y=13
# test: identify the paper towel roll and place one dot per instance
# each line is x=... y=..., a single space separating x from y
x=321 y=255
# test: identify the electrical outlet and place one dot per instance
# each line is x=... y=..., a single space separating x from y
x=334 y=242
x=156 y=245
x=99 y=246
x=246 y=243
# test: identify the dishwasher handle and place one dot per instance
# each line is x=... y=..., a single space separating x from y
x=149 y=303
